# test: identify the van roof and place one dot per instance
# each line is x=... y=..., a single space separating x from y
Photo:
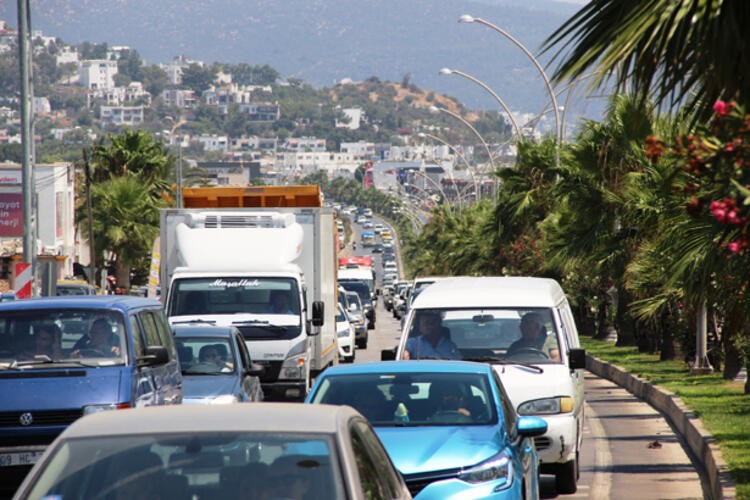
x=122 y=302
x=491 y=291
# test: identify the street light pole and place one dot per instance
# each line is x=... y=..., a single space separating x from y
x=471 y=127
x=470 y=19
x=449 y=71
x=461 y=156
x=178 y=170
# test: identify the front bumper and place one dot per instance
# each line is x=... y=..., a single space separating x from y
x=559 y=443
x=293 y=390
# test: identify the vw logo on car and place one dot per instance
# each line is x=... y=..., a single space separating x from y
x=26 y=419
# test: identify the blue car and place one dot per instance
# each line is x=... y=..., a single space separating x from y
x=62 y=358
x=216 y=366
x=448 y=426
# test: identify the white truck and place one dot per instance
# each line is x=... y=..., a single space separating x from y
x=269 y=272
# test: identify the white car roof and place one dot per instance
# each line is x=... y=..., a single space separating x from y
x=490 y=291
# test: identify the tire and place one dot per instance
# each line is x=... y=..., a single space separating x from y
x=566 y=477
x=362 y=343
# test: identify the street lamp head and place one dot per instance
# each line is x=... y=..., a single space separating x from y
x=421 y=135
x=466 y=18
x=446 y=71
x=434 y=109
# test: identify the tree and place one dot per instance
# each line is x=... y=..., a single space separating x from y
x=688 y=50
x=198 y=78
x=88 y=50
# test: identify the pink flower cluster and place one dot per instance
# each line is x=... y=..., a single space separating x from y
x=721 y=108
x=725 y=211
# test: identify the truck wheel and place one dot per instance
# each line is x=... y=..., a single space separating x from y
x=566 y=476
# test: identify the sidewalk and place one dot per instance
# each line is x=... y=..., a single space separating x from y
x=700 y=443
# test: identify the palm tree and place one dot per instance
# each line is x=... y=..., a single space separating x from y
x=678 y=50
x=126 y=221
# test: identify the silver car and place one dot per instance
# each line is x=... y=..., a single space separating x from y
x=264 y=450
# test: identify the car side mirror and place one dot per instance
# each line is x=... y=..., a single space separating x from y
x=155 y=355
x=388 y=354
x=352 y=307
x=256 y=369
x=528 y=426
x=577 y=358
x=318 y=313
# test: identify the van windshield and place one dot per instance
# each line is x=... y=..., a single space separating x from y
x=502 y=335
x=42 y=337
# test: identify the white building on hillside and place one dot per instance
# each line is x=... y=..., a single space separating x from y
x=98 y=74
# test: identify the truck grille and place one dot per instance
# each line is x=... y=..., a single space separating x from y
x=417 y=482
x=542 y=442
x=271 y=374
x=39 y=418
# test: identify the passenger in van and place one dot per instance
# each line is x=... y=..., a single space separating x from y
x=47 y=342
x=534 y=336
x=99 y=342
x=433 y=340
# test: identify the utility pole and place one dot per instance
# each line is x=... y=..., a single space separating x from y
x=90 y=216
x=27 y=140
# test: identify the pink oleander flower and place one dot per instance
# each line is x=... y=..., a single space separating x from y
x=721 y=108
x=734 y=247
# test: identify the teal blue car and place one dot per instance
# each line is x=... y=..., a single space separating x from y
x=448 y=426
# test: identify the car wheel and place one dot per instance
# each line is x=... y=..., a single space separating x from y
x=362 y=343
x=566 y=477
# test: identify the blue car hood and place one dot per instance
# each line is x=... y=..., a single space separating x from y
x=43 y=389
x=208 y=386
x=416 y=450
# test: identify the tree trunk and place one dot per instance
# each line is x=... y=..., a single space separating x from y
x=623 y=320
x=122 y=271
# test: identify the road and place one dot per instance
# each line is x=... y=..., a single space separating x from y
x=629 y=451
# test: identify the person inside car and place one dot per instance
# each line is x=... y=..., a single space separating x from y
x=534 y=337
x=46 y=342
x=279 y=303
x=433 y=340
x=99 y=342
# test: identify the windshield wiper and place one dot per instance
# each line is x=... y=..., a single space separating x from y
x=188 y=321
x=193 y=372
x=261 y=324
x=484 y=359
x=535 y=368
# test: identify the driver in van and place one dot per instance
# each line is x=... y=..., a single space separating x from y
x=534 y=336
x=100 y=341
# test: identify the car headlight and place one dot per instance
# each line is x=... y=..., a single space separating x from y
x=294 y=366
x=547 y=406
x=224 y=399
x=87 y=410
x=496 y=468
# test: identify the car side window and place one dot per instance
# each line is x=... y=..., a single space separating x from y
x=373 y=464
x=509 y=413
x=242 y=348
x=138 y=348
x=162 y=327
x=150 y=328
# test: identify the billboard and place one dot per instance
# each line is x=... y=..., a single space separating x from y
x=11 y=215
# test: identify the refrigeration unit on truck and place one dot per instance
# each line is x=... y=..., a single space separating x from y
x=269 y=272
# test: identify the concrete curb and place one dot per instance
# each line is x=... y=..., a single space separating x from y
x=684 y=421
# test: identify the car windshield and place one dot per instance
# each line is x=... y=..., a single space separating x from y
x=503 y=335
x=415 y=399
x=33 y=338
x=195 y=465
x=359 y=287
x=205 y=356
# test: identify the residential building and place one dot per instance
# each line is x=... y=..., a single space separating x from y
x=355 y=116
x=133 y=94
x=361 y=150
x=97 y=74
x=302 y=144
x=122 y=115
x=214 y=142
x=180 y=98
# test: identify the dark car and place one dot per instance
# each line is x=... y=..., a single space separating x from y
x=216 y=366
x=365 y=297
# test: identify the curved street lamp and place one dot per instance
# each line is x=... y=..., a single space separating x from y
x=471 y=127
x=449 y=71
x=471 y=19
x=175 y=125
x=469 y=168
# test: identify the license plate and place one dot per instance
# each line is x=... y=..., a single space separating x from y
x=19 y=458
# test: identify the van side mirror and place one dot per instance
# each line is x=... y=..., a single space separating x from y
x=318 y=311
x=388 y=354
x=256 y=369
x=155 y=355
x=577 y=358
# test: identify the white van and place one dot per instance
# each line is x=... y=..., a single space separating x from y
x=482 y=319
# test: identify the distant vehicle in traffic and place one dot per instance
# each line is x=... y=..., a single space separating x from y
x=268 y=450
x=75 y=287
x=346 y=335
